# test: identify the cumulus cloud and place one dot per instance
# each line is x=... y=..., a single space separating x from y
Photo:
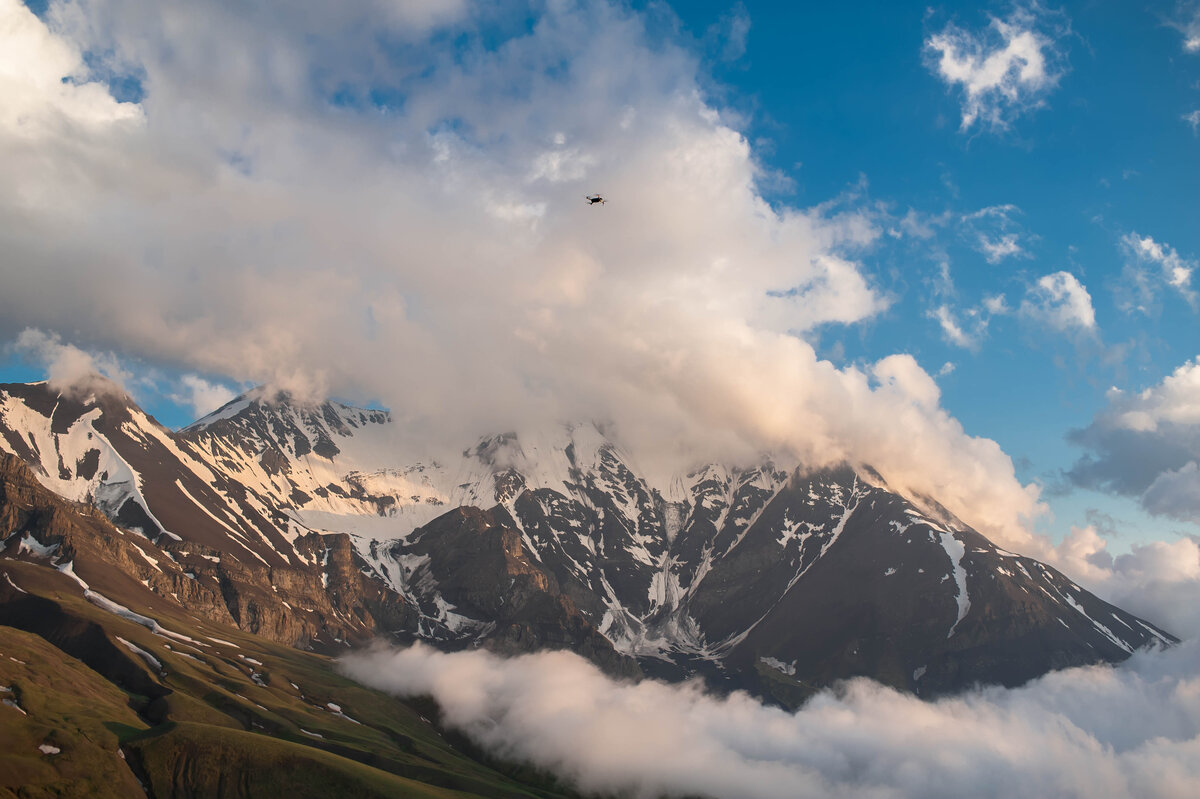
x=902 y=374
x=1159 y=580
x=1147 y=445
x=202 y=396
x=1004 y=70
x=1061 y=302
x=1193 y=120
x=45 y=83
x=1130 y=731
x=1175 y=493
x=354 y=206
x=1150 y=267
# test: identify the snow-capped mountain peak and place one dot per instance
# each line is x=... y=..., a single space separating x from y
x=768 y=574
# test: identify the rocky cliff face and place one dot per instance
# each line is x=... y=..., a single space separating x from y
x=285 y=604
x=311 y=525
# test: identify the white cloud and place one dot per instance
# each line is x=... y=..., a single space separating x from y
x=969 y=327
x=1187 y=22
x=919 y=225
x=902 y=374
x=1158 y=581
x=203 y=396
x=1002 y=71
x=71 y=370
x=1130 y=731
x=1176 y=400
x=996 y=305
x=953 y=329
x=1150 y=265
x=1061 y=302
x=1000 y=248
x=993 y=232
x=415 y=17
x=1193 y=120
x=1147 y=445
x=46 y=86
x=271 y=222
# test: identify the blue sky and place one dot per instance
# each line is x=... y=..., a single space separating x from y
x=998 y=244
x=842 y=92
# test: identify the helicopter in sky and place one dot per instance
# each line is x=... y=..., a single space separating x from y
x=595 y=199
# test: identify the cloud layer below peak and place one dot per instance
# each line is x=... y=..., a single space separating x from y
x=1094 y=732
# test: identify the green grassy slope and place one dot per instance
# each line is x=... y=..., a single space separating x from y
x=223 y=714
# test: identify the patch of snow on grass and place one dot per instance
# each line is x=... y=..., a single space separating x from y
x=151 y=661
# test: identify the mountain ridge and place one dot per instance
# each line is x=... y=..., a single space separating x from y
x=773 y=577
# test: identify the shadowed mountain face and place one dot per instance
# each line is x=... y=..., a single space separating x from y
x=310 y=526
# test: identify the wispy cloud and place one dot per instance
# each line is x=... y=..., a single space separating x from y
x=995 y=232
x=962 y=329
x=1187 y=22
x=728 y=36
x=1131 y=731
x=1193 y=120
x=1004 y=70
x=1151 y=266
x=967 y=328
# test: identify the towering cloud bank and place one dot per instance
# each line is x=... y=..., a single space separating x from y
x=389 y=205
x=1092 y=732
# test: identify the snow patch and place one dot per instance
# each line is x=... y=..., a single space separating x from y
x=956 y=551
x=784 y=668
x=151 y=661
x=29 y=544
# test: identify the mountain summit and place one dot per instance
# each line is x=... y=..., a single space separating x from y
x=306 y=524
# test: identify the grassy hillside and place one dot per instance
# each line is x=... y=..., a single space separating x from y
x=197 y=709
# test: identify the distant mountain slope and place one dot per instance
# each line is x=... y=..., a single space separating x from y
x=311 y=525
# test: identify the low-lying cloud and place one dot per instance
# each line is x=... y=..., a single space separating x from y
x=1084 y=732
